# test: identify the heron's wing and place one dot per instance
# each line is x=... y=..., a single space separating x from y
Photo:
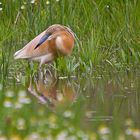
x=32 y=49
x=43 y=39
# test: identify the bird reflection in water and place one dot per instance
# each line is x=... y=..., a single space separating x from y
x=51 y=91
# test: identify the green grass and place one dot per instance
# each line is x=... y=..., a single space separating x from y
x=108 y=31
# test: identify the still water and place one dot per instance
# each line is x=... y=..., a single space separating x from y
x=105 y=106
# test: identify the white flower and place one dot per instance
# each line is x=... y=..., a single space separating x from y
x=136 y=133
x=82 y=135
x=62 y=135
x=24 y=100
x=22 y=7
x=68 y=114
x=18 y=105
x=125 y=87
x=32 y=1
x=25 y=2
x=103 y=130
x=47 y=2
x=22 y=94
x=128 y=131
x=0 y=9
x=8 y=104
x=33 y=136
x=21 y=124
x=107 y=6
x=9 y=93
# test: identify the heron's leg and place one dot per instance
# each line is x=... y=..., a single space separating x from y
x=49 y=73
x=30 y=84
x=31 y=65
x=40 y=74
x=31 y=68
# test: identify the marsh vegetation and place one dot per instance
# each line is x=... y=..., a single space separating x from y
x=92 y=94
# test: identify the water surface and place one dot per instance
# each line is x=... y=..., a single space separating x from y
x=104 y=106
